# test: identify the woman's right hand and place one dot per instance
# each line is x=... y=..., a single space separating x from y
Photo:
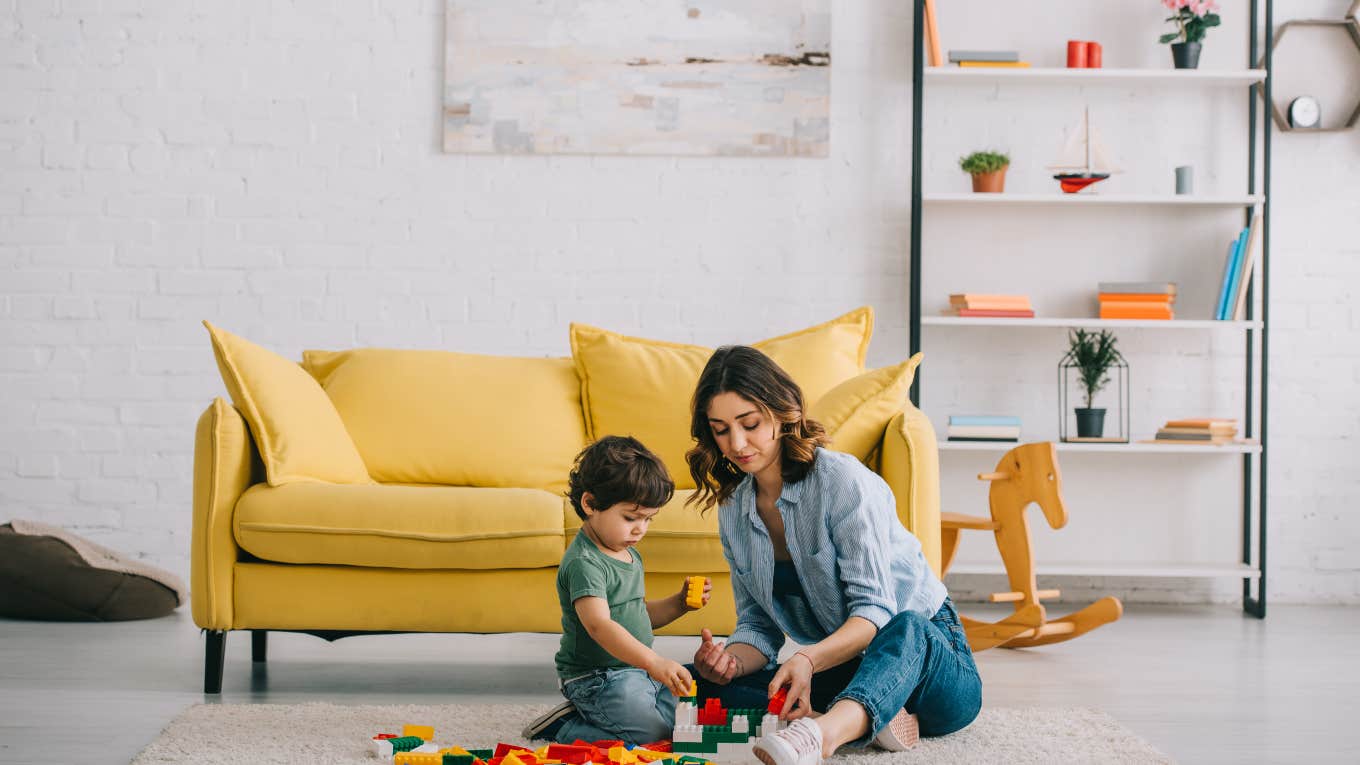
x=713 y=663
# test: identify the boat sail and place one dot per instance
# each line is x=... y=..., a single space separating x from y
x=1083 y=160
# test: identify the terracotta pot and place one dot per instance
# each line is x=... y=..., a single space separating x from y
x=992 y=183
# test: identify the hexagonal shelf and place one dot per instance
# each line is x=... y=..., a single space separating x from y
x=1349 y=26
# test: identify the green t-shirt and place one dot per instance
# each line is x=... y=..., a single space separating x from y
x=586 y=571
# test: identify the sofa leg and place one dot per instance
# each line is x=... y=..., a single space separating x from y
x=259 y=645
x=213 y=657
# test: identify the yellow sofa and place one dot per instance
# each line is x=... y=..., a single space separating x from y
x=460 y=521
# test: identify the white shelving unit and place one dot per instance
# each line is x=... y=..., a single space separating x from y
x=1252 y=452
x=1041 y=75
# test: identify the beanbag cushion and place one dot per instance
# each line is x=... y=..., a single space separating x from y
x=49 y=574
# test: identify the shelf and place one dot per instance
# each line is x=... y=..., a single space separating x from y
x=1093 y=199
x=1161 y=570
x=981 y=321
x=1134 y=448
x=1040 y=75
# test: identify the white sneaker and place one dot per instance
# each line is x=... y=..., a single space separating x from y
x=798 y=744
x=901 y=733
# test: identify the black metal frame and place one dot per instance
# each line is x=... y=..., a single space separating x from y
x=1254 y=605
x=1122 y=387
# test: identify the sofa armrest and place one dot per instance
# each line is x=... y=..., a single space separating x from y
x=910 y=464
x=225 y=465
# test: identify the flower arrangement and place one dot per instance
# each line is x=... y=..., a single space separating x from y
x=1193 y=18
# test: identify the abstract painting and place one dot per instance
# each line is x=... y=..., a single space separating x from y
x=638 y=77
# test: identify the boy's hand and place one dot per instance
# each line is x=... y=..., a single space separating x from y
x=671 y=674
x=713 y=663
x=684 y=593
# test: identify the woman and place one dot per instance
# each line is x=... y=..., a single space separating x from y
x=817 y=553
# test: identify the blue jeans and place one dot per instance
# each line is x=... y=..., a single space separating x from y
x=622 y=704
x=913 y=663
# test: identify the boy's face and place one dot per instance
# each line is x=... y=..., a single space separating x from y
x=618 y=526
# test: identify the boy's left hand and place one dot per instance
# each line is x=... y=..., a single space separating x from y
x=684 y=593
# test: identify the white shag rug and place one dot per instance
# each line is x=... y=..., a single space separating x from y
x=208 y=734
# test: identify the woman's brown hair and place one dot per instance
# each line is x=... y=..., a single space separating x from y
x=747 y=372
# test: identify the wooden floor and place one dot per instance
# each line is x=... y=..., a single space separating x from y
x=1204 y=684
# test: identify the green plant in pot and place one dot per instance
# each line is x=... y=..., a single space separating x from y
x=1093 y=354
x=1192 y=18
x=988 y=169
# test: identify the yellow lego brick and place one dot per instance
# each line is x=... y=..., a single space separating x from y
x=542 y=753
x=425 y=732
x=418 y=758
x=647 y=755
x=694 y=596
x=693 y=689
x=511 y=759
x=622 y=756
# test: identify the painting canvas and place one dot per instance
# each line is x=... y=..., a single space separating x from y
x=639 y=77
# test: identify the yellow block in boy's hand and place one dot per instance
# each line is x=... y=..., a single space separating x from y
x=694 y=596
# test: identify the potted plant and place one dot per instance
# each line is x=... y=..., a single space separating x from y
x=1093 y=354
x=1193 y=18
x=988 y=169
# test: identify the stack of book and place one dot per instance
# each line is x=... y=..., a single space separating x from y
x=1137 y=300
x=1199 y=431
x=989 y=58
x=999 y=306
x=982 y=427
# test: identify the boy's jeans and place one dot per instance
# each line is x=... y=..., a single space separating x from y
x=921 y=664
x=622 y=704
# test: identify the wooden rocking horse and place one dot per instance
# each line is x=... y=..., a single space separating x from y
x=1028 y=473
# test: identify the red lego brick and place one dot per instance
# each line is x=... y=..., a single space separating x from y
x=777 y=700
x=713 y=713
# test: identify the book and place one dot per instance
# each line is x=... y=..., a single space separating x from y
x=967 y=300
x=1199 y=431
x=1249 y=253
x=1137 y=297
x=1234 y=272
x=985 y=431
x=932 y=35
x=995 y=313
x=983 y=419
x=955 y=56
x=995 y=64
x=1225 y=283
x=1204 y=422
x=981 y=438
x=1146 y=288
x=1137 y=311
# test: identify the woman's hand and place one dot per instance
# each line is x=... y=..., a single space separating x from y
x=796 y=673
x=713 y=663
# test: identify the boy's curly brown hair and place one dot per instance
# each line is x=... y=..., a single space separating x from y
x=619 y=469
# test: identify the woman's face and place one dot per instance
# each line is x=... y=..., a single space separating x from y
x=745 y=435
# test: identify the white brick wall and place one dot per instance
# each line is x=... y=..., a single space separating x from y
x=275 y=167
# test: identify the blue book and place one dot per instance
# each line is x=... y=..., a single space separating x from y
x=1235 y=276
x=982 y=419
x=1226 y=280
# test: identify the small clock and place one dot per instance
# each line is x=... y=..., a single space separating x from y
x=1304 y=112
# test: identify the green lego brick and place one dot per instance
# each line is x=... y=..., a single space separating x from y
x=458 y=759
x=405 y=743
x=482 y=754
x=680 y=747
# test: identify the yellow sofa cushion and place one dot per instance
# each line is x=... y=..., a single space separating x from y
x=679 y=539
x=297 y=431
x=856 y=412
x=639 y=387
x=457 y=419
x=413 y=527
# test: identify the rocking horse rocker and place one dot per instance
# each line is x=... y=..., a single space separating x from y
x=1028 y=473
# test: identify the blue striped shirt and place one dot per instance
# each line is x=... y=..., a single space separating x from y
x=853 y=555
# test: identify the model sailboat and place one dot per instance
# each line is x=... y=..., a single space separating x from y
x=1083 y=161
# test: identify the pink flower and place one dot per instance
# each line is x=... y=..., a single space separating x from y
x=1175 y=5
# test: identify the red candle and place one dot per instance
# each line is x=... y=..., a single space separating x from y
x=1076 y=54
x=1092 y=55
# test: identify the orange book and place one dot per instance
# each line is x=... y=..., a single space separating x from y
x=1136 y=311
x=972 y=300
x=1125 y=297
x=1201 y=423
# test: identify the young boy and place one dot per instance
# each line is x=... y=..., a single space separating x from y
x=616 y=686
